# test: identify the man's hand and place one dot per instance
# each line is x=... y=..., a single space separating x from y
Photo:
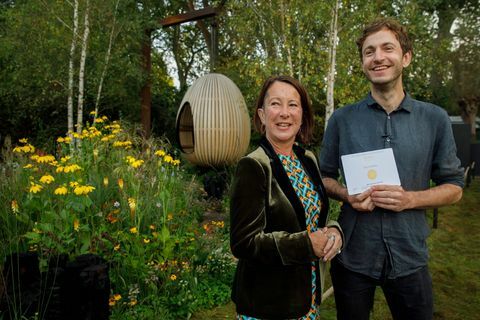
x=319 y=239
x=362 y=201
x=393 y=198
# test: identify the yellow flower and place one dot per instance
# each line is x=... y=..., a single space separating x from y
x=120 y=183
x=169 y=216
x=152 y=227
x=113 y=299
x=133 y=230
x=25 y=149
x=35 y=188
x=83 y=190
x=99 y=120
x=61 y=191
x=59 y=169
x=65 y=159
x=137 y=163
x=60 y=139
x=73 y=184
x=131 y=203
x=160 y=153
x=126 y=144
x=145 y=240
x=105 y=181
x=28 y=166
x=76 y=224
x=116 y=247
x=168 y=158
x=133 y=302
x=14 y=206
x=93 y=113
x=68 y=139
x=72 y=168
x=43 y=159
x=176 y=162
x=173 y=277
x=47 y=179
x=23 y=140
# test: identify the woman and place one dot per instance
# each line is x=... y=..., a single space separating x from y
x=279 y=211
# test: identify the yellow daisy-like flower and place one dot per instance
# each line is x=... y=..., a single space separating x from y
x=35 y=188
x=60 y=139
x=169 y=216
x=23 y=140
x=43 y=159
x=133 y=302
x=68 y=139
x=14 y=206
x=152 y=227
x=133 y=230
x=137 y=163
x=160 y=153
x=176 y=162
x=71 y=168
x=173 y=277
x=116 y=247
x=105 y=181
x=28 y=166
x=47 y=179
x=83 y=190
x=145 y=240
x=61 y=191
x=25 y=149
x=120 y=183
x=93 y=113
x=99 y=120
x=76 y=224
x=73 y=184
x=65 y=159
x=168 y=158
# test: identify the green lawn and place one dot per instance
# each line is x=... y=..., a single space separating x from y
x=454 y=264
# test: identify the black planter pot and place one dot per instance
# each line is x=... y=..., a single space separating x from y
x=76 y=290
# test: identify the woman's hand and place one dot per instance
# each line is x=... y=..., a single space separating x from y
x=319 y=240
x=333 y=245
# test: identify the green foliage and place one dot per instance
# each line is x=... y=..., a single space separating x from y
x=127 y=200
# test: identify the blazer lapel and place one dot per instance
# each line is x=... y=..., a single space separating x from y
x=281 y=176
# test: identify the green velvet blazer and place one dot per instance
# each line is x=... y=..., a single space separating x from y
x=273 y=279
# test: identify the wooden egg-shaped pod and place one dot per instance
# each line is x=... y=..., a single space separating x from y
x=213 y=125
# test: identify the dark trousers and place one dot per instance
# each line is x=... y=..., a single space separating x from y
x=408 y=297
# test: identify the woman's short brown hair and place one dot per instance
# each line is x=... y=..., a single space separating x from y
x=306 y=129
x=394 y=26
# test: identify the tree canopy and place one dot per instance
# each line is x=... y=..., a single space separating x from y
x=255 y=40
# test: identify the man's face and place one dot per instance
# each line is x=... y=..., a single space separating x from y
x=382 y=58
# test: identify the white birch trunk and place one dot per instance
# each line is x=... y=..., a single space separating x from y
x=70 y=69
x=107 y=60
x=332 y=59
x=81 y=71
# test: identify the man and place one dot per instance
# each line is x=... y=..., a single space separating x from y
x=385 y=226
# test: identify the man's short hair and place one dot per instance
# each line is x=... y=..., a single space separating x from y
x=389 y=24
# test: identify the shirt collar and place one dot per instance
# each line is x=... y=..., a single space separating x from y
x=406 y=104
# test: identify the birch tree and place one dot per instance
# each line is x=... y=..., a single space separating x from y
x=71 y=71
x=81 y=71
x=332 y=53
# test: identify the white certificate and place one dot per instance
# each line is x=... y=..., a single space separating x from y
x=365 y=169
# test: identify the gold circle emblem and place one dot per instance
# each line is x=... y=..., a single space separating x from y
x=372 y=174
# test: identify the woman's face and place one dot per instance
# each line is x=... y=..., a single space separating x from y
x=281 y=113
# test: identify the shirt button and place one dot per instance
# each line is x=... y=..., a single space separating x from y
x=388 y=139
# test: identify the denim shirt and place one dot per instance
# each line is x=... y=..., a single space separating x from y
x=421 y=137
